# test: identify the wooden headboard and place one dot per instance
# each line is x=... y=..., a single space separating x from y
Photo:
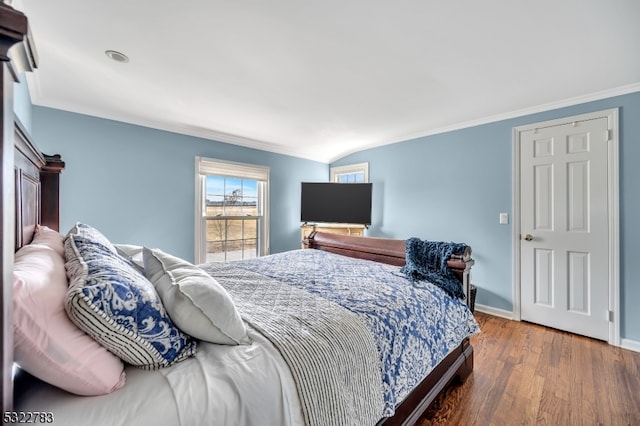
x=36 y=183
x=37 y=187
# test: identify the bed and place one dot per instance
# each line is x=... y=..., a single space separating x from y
x=278 y=373
x=241 y=375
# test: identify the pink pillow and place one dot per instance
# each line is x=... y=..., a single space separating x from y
x=47 y=344
x=50 y=238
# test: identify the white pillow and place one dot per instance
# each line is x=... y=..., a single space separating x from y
x=194 y=300
x=133 y=254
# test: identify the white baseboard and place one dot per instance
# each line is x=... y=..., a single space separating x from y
x=494 y=311
x=632 y=345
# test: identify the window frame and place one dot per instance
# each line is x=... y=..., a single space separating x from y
x=214 y=167
x=335 y=172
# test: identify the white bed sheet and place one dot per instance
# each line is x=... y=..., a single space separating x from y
x=221 y=385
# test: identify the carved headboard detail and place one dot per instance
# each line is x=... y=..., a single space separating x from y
x=37 y=185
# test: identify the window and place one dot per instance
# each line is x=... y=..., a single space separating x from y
x=353 y=173
x=231 y=210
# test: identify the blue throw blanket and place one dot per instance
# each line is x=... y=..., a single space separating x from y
x=427 y=261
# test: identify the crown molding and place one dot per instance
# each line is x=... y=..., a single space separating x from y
x=328 y=158
x=596 y=96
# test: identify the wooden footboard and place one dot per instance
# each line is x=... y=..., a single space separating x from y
x=384 y=250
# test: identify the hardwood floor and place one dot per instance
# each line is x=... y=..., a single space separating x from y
x=527 y=374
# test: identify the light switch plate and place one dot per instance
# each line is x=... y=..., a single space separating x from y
x=504 y=218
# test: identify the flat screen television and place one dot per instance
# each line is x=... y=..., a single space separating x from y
x=336 y=202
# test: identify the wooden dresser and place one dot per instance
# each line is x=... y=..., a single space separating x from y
x=331 y=228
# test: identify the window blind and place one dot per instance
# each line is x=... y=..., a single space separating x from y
x=207 y=166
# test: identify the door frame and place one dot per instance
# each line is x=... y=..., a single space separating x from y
x=613 y=190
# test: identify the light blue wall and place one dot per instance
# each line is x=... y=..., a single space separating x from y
x=452 y=186
x=136 y=184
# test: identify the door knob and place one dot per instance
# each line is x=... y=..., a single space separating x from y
x=528 y=237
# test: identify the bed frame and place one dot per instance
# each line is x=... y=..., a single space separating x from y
x=30 y=195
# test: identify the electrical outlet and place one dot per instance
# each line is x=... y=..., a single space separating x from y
x=504 y=218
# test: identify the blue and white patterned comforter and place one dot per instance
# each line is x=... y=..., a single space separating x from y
x=414 y=325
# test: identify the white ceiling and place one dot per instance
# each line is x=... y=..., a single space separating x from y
x=321 y=79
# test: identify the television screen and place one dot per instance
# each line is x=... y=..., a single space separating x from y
x=336 y=202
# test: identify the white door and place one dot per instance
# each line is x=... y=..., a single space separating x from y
x=564 y=223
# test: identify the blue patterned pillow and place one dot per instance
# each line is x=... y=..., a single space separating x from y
x=92 y=234
x=117 y=306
